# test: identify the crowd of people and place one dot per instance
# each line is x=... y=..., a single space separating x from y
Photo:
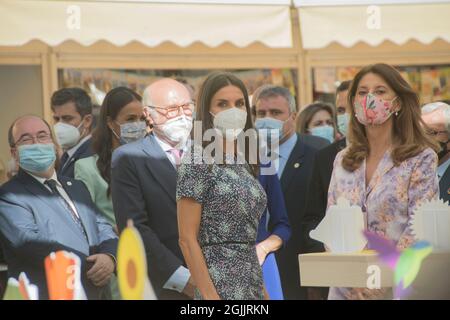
x=220 y=229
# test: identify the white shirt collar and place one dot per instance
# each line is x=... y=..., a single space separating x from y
x=42 y=180
x=167 y=147
x=71 y=151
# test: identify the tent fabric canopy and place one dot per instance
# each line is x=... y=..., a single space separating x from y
x=214 y=22
x=149 y=22
x=373 y=24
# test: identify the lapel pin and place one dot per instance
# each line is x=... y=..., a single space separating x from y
x=69 y=183
x=296 y=165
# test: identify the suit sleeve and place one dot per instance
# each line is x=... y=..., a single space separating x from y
x=20 y=232
x=316 y=202
x=129 y=203
x=279 y=221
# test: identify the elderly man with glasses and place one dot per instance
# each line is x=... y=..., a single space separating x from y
x=144 y=177
x=42 y=212
x=436 y=116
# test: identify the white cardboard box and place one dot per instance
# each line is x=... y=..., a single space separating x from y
x=353 y=270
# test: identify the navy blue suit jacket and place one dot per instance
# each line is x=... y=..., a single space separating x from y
x=33 y=223
x=278 y=223
x=294 y=183
x=84 y=151
x=143 y=188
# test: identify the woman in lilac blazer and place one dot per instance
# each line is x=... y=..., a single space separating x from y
x=389 y=166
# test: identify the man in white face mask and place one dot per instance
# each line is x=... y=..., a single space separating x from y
x=72 y=115
x=143 y=186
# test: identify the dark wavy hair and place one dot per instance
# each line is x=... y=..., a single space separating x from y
x=213 y=83
x=408 y=128
x=102 y=137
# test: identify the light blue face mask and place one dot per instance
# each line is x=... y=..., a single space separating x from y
x=270 y=124
x=131 y=131
x=342 y=121
x=326 y=132
x=37 y=157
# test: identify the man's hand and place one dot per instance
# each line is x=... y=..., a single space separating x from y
x=101 y=271
x=189 y=289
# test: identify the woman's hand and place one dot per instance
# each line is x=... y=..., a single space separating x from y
x=262 y=253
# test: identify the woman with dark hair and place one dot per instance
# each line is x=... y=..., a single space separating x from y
x=221 y=202
x=389 y=166
x=318 y=119
x=121 y=121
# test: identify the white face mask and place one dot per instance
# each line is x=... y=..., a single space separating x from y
x=230 y=123
x=66 y=134
x=176 y=130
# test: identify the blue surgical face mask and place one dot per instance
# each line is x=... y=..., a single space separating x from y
x=342 y=121
x=131 y=131
x=270 y=124
x=36 y=158
x=326 y=132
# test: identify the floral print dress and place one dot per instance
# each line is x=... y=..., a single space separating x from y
x=390 y=197
x=233 y=202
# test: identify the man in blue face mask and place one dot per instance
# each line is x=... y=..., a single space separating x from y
x=41 y=213
x=275 y=109
x=342 y=109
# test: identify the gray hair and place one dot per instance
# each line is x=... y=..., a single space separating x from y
x=275 y=91
x=430 y=107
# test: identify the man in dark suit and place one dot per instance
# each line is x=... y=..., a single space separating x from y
x=41 y=213
x=144 y=177
x=296 y=152
x=72 y=114
x=317 y=195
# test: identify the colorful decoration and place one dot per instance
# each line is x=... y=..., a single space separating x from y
x=406 y=264
x=132 y=266
x=63 y=272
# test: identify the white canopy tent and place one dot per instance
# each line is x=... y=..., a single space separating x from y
x=348 y=22
x=240 y=22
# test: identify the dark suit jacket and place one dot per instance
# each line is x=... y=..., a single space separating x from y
x=444 y=186
x=84 y=151
x=317 y=196
x=143 y=189
x=294 y=182
x=33 y=224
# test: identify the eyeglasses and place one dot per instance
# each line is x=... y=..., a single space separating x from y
x=173 y=111
x=42 y=137
x=432 y=132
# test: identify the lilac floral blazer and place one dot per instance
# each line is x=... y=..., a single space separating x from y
x=390 y=197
